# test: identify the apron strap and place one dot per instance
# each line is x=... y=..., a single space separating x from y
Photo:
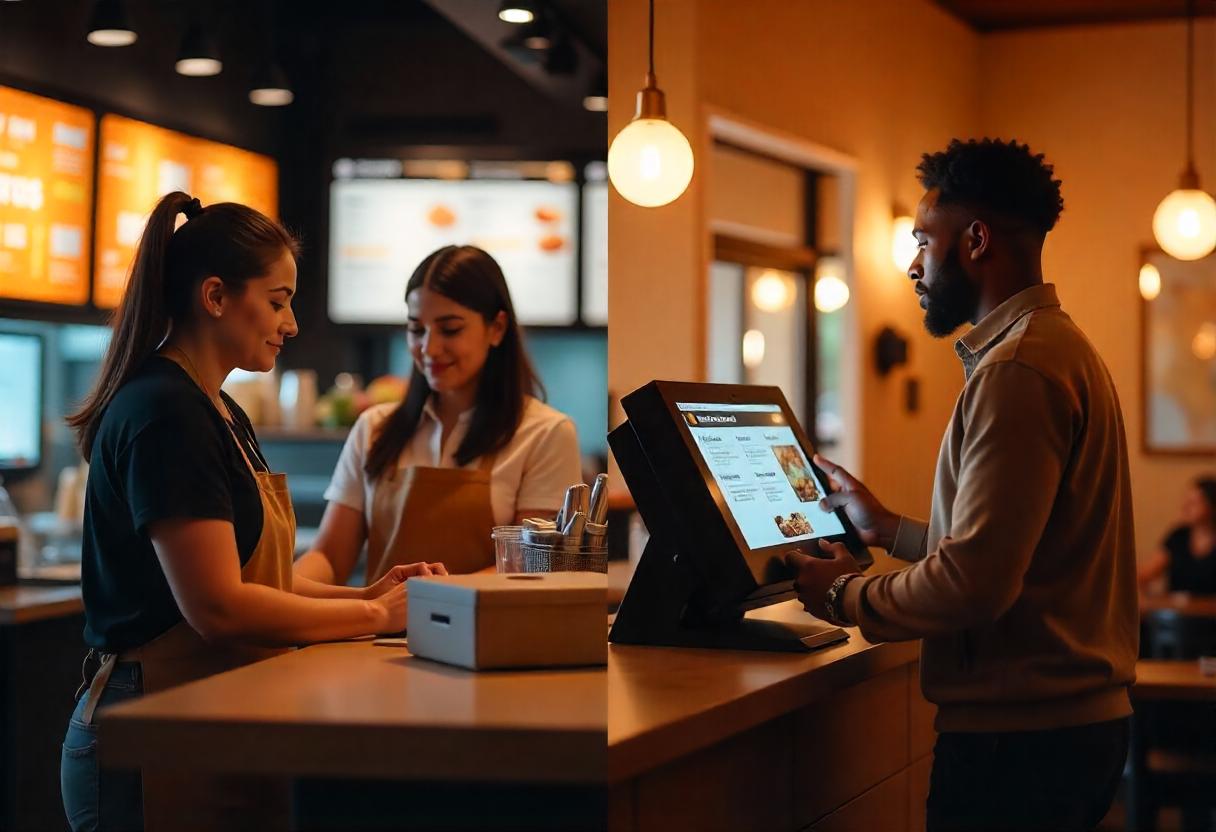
x=100 y=679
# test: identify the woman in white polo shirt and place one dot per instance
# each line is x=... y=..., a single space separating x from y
x=470 y=448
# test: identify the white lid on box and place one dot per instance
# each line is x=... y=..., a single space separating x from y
x=493 y=590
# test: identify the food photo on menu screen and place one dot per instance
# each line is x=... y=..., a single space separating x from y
x=765 y=478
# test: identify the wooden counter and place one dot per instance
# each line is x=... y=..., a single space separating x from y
x=1185 y=604
x=1172 y=680
x=356 y=710
x=41 y=650
x=26 y=604
x=705 y=739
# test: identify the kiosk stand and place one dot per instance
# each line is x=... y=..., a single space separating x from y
x=720 y=519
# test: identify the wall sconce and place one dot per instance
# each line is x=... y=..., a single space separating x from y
x=831 y=288
x=890 y=350
x=903 y=244
x=1150 y=281
x=773 y=291
x=753 y=349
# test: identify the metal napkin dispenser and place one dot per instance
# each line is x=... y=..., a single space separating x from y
x=488 y=621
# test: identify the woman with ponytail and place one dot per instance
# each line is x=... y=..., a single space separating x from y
x=471 y=447
x=188 y=536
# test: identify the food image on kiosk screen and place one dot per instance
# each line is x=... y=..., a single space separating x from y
x=762 y=471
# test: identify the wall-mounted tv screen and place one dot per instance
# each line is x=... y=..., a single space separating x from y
x=20 y=401
x=381 y=229
x=140 y=163
x=595 y=253
x=46 y=195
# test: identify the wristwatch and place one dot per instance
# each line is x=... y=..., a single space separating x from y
x=833 y=601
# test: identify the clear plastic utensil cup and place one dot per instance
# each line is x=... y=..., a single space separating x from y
x=508 y=557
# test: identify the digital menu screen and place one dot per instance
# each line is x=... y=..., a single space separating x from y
x=20 y=400
x=765 y=477
x=140 y=163
x=46 y=194
x=380 y=230
x=595 y=253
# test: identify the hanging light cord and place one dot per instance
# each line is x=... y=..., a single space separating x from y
x=652 y=41
x=1190 y=84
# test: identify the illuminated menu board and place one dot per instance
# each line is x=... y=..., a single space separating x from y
x=46 y=182
x=140 y=163
x=380 y=230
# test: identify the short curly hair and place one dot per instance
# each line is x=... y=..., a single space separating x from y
x=1003 y=177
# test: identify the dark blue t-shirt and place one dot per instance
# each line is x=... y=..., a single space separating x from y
x=162 y=452
x=1187 y=572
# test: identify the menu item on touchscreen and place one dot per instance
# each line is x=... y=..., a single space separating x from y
x=797 y=472
x=766 y=479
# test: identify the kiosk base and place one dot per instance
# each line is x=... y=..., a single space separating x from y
x=752 y=634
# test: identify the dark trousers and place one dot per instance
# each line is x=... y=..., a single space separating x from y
x=1058 y=780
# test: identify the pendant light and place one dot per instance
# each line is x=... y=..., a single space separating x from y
x=271 y=88
x=517 y=11
x=1185 y=221
x=108 y=25
x=198 y=57
x=650 y=162
x=596 y=99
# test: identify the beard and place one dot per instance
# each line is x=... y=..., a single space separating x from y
x=952 y=299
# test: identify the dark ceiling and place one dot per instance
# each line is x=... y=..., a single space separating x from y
x=370 y=76
x=1004 y=15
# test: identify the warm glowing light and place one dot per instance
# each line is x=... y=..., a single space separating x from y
x=831 y=294
x=903 y=244
x=271 y=97
x=773 y=291
x=1185 y=224
x=650 y=162
x=199 y=67
x=1203 y=345
x=1150 y=281
x=753 y=348
x=516 y=15
x=111 y=37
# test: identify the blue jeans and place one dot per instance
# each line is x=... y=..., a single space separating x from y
x=97 y=799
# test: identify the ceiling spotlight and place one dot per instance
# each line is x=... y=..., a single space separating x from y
x=198 y=56
x=108 y=25
x=270 y=88
x=517 y=11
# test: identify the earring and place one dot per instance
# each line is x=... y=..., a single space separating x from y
x=216 y=312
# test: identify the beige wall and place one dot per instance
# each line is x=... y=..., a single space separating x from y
x=1106 y=105
x=837 y=74
x=883 y=81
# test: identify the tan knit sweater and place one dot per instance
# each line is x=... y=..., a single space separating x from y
x=1024 y=581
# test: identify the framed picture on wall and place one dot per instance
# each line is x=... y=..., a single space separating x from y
x=1178 y=354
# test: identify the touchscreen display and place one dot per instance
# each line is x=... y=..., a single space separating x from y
x=763 y=473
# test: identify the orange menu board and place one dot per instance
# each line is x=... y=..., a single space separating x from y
x=46 y=194
x=140 y=163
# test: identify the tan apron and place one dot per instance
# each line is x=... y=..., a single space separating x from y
x=178 y=801
x=431 y=514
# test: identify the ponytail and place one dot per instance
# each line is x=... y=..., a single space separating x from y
x=231 y=241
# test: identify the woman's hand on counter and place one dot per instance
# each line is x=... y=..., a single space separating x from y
x=392 y=609
x=399 y=574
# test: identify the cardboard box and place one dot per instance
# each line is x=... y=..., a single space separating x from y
x=484 y=621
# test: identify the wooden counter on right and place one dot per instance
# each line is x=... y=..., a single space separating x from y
x=838 y=739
